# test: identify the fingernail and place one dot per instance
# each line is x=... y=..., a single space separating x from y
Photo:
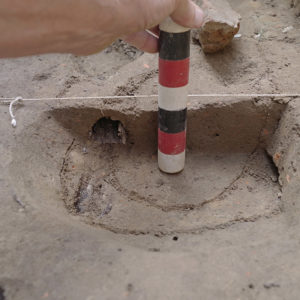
x=199 y=17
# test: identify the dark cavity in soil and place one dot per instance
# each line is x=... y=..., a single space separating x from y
x=108 y=131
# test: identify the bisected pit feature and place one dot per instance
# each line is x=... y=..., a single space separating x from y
x=228 y=177
x=114 y=183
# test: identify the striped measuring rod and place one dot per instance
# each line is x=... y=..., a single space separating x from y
x=174 y=59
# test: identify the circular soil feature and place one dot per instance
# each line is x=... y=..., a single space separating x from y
x=117 y=186
x=120 y=188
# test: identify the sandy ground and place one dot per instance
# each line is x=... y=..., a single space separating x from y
x=83 y=220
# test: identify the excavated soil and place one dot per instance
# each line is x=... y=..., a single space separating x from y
x=86 y=214
x=117 y=185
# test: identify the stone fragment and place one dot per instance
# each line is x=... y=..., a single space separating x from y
x=221 y=24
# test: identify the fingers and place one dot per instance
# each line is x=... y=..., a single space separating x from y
x=183 y=12
x=144 y=41
x=155 y=31
x=188 y=14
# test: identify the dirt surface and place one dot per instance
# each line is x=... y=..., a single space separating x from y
x=86 y=214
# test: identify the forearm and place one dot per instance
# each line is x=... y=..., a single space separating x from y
x=44 y=26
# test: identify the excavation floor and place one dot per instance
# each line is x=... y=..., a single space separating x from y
x=80 y=219
x=119 y=186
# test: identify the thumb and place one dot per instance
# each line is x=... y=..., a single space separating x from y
x=188 y=14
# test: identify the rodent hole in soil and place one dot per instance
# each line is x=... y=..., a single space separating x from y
x=108 y=131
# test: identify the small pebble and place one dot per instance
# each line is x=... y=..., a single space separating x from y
x=274 y=178
x=90 y=190
x=287 y=29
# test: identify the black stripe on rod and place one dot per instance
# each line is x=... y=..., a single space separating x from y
x=172 y=121
x=174 y=46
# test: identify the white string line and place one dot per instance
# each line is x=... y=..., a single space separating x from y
x=13 y=119
x=12 y=101
x=8 y=100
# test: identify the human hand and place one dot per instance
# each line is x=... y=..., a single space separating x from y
x=131 y=19
x=84 y=27
x=183 y=12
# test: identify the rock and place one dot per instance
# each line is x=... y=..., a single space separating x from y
x=221 y=24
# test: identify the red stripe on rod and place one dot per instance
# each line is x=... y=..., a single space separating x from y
x=171 y=143
x=174 y=73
